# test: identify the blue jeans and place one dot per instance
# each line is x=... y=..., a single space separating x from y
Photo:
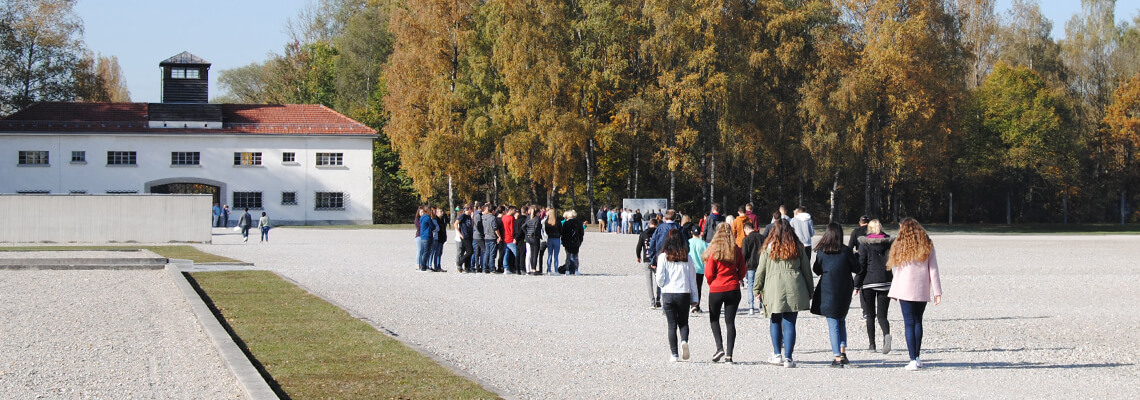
x=912 y=325
x=553 y=250
x=424 y=253
x=436 y=254
x=749 y=280
x=783 y=330
x=489 y=255
x=837 y=328
x=512 y=251
x=265 y=233
x=477 y=255
x=571 y=263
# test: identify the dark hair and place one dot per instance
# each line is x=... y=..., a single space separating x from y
x=740 y=209
x=676 y=247
x=832 y=241
x=864 y=219
x=247 y=209
x=263 y=213
x=748 y=223
x=716 y=206
x=776 y=215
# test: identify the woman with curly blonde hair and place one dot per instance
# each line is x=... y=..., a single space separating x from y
x=915 y=276
x=784 y=286
x=724 y=268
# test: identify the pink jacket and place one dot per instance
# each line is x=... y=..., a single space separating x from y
x=915 y=280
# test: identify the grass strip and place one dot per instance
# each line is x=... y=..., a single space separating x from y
x=176 y=251
x=308 y=348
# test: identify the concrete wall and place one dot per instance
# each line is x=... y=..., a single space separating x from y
x=105 y=218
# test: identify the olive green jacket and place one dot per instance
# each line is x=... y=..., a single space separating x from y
x=783 y=285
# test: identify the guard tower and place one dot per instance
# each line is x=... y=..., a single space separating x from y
x=185 y=79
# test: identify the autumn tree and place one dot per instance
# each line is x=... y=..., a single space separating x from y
x=41 y=49
x=980 y=28
x=100 y=79
x=1121 y=138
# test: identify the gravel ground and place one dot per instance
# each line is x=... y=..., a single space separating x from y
x=105 y=335
x=1022 y=316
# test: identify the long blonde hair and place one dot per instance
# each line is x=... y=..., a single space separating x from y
x=551 y=216
x=874 y=227
x=723 y=247
x=911 y=245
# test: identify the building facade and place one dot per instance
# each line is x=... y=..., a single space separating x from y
x=301 y=164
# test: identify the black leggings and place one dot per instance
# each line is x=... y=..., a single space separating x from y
x=877 y=303
x=700 y=287
x=532 y=255
x=731 y=302
x=676 y=307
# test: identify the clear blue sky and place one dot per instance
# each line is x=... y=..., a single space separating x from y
x=233 y=33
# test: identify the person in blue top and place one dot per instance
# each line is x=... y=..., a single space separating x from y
x=217 y=220
x=657 y=242
x=428 y=227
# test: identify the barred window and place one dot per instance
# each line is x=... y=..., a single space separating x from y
x=247 y=158
x=250 y=200
x=184 y=73
x=185 y=157
x=79 y=156
x=288 y=198
x=35 y=157
x=121 y=158
x=330 y=158
x=33 y=192
x=288 y=156
x=330 y=201
x=122 y=191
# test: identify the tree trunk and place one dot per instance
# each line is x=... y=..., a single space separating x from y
x=712 y=180
x=751 y=184
x=800 y=198
x=1008 y=208
x=450 y=198
x=1123 y=207
x=780 y=182
x=590 y=179
x=705 y=202
x=672 y=187
x=867 y=191
x=833 y=215
x=1065 y=203
x=636 y=173
x=951 y=221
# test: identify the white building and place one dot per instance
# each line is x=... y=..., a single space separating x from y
x=302 y=164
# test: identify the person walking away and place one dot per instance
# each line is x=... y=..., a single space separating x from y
x=784 y=213
x=553 y=228
x=915 y=276
x=263 y=226
x=657 y=241
x=644 y=256
x=226 y=216
x=697 y=248
x=772 y=223
x=834 y=263
x=533 y=236
x=724 y=268
x=784 y=284
x=244 y=222
x=464 y=229
x=738 y=226
x=751 y=215
x=873 y=282
x=637 y=221
x=601 y=219
x=711 y=221
x=572 y=237
x=677 y=278
x=753 y=242
x=804 y=228
x=857 y=233
x=510 y=250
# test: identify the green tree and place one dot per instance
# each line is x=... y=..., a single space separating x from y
x=1121 y=138
x=41 y=49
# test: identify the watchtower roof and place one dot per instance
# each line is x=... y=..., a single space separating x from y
x=184 y=58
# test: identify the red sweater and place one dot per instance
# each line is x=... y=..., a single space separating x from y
x=508 y=229
x=725 y=277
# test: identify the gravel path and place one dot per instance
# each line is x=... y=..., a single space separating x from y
x=104 y=334
x=1023 y=316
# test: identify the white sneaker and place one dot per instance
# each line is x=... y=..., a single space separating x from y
x=886 y=344
x=789 y=363
x=685 y=351
x=913 y=366
x=920 y=364
x=751 y=311
x=672 y=358
x=776 y=359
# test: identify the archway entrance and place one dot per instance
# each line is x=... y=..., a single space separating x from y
x=188 y=188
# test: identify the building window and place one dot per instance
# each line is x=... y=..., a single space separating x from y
x=122 y=191
x=184 y=73
x=121 y=158
x=330 y=201
x=330 y=159
x=35 y=157
x=247 y=158
x=250 y=200
x=288 y=156
x=288 y=198
x=79 y=157
x=185 y=157
x=33 y=192
x=78 y=192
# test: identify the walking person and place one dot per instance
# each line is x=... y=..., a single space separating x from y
x=753 y=242
x=645 y=256
x=572 y=237
x=678 y=282
x=697 y=248
x=784 y=284
x=657 y=241
x=245 y=222
x=263 y=226
x=464 y=229
x=834 y=263
x=873 y=281
x=804 y=228
x=711 y=221
x=532 y=234
x=724 y=268
x=553 y=227
x=226 y=216
x=601 y=219
x=738 y=226
x=915 y=277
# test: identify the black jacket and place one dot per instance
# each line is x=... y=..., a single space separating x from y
x=466 y=228
x=710 y=226
x=532 y=229
x=835 y=283
x=642 y=249
x=751 y=248
x=873 y=255
x=572 y=235
x=520 y=230
x=553 y=231
x=856 y=233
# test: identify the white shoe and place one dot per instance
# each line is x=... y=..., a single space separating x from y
x=913 y=366
x=245 y=239
x=920 y=364
x=776 y=359
x=886 y=343
x=685 y=351
x=789 y=363
x=672 y=358
x=751 y=311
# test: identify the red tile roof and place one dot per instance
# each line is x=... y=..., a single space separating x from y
x=268 y=119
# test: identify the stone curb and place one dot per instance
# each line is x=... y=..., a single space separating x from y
x=251 y=381
x=115 y=264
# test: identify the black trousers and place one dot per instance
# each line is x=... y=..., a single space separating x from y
x=730 y=300
x=464 y=252
x=532 y=254
x=877 y=304
x=676 y=307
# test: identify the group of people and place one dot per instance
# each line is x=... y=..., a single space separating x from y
x=501 y=239
x=775 y=266
x=221 y=217
x=624 y=220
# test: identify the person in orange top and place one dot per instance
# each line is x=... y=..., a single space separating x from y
x=724 y=269
x=738 y=226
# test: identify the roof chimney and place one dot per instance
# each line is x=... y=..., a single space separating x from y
x=185 y=79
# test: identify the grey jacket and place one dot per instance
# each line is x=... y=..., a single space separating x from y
x=803 y=226
x=489 y=227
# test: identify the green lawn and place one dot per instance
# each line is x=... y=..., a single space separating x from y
x=185 y=252
x=309 y=348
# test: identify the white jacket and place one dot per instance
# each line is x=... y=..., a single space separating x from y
x=804 y=228
x=677 y=276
